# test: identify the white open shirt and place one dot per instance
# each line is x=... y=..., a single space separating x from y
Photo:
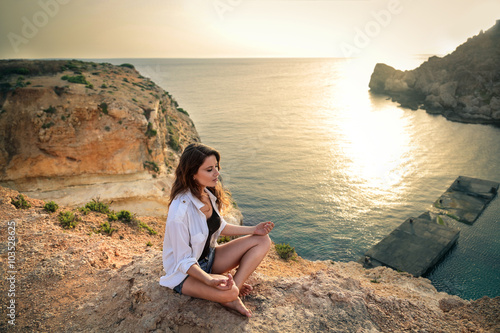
x=186 y=232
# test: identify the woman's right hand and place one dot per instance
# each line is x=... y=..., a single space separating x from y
x=221 y=282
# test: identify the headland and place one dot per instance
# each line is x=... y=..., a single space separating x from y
x=463 y=86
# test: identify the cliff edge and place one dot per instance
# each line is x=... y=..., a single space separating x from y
x=463 y=86
x=74 y=130
x=86 y=280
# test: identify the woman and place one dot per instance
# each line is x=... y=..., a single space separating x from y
x=192 y=260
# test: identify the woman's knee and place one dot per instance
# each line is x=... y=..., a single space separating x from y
x=265 y=241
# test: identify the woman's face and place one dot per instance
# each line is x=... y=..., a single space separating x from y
x=208 y=173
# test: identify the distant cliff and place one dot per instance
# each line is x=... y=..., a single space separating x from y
x=463 y=86
x=72 y=130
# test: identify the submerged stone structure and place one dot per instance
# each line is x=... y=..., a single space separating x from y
x=419 y=243
x=414 y=247
x=465 y=200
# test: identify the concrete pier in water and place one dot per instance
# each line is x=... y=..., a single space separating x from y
x=420 y=242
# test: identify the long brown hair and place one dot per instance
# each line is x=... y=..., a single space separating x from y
x=191 y=160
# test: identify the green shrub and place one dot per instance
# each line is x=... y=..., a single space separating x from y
x=125 y=216
x=48 y=125
x=75 y=79
x=181 y=110
x=59 y=90
x=20 y=203
x=51 y=206
x=223 y=239
x=285 y=251
x=98 y=206
x=20 y=84
x=148 y=228
x=112 y=217
x=150 y=132
x=16 y=70
x=173 y=141
x=128 y=66
x=84 y=210
x=106 y=228
x=151 y=165
x=50 y=109
x=67 y=219
x=149 y=243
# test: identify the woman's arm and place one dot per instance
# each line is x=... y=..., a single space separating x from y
x=262 y=228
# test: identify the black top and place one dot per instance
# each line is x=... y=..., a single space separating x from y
x=213 y=223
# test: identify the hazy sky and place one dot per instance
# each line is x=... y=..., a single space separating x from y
x=238 y=28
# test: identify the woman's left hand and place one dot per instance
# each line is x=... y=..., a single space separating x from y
x=263 y=228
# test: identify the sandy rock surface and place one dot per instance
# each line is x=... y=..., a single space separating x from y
x=77 y=280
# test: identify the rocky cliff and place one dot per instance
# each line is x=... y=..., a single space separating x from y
x=73 y=130
x=463 y=86
x=87 y=280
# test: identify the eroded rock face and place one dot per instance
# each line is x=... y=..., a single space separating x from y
x=112 y=126
x=463 y=86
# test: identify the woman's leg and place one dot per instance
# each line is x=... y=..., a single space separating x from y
x=246 y=252
x=228 y=298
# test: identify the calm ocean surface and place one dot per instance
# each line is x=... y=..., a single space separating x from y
x=305 y=145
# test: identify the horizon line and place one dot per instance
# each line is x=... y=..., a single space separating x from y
x=212 y=58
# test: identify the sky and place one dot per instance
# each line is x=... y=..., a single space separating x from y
x=103 y=29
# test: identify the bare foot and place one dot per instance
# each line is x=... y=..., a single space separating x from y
x=238 y=305
x=245 y=290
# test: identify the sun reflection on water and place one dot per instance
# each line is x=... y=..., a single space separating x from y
x=377 y=147
x=374 y=139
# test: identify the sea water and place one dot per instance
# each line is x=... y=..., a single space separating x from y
x=306 y=145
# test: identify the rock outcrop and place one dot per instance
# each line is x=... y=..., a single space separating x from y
x=77 y=280
x=463 y=86
x=73 y=130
